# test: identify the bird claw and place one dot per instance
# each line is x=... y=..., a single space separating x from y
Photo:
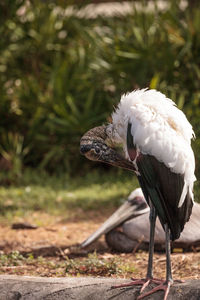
x=143 y=281
x=163 y=286
x=133 y=282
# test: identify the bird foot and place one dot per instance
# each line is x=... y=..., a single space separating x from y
x=165 y=285
x=143 y=281
x=133 y=282
x=162 y=285
x=149 y=280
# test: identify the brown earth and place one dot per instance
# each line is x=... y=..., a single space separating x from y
x=55 y=245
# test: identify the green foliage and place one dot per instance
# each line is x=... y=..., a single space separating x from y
x=62 y=74
x=14 y=258
x=94 y=265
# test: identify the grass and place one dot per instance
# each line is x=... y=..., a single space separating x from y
x=92 y=265
x=96 y=264
x=62 y=195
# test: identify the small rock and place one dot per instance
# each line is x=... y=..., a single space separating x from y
x=24 y=225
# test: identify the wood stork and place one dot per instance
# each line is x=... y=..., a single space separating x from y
x=156 y=140
x=132 y=219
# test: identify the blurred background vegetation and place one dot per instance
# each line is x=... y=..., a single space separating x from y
x=61 y=74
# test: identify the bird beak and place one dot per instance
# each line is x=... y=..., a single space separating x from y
x=125 y=212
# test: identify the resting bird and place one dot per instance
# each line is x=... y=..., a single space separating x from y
x=156 y=140
x=127 y=230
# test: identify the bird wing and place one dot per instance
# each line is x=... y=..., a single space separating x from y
x=164 y=188
x=159 y=129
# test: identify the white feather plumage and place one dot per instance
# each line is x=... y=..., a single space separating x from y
x=160 y=129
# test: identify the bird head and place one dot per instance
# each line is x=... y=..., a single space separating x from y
x=95 y=145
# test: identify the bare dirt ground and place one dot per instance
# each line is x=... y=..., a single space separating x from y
x=48 y=252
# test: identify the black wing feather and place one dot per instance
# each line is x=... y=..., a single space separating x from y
x=164 y=188
x=171 y=186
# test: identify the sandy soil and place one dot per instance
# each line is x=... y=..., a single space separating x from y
x=55 y=240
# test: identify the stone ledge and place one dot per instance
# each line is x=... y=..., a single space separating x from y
x=84 y=288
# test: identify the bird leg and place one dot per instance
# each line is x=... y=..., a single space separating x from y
x=152 y=219
x=165 y=285
x=149 y=277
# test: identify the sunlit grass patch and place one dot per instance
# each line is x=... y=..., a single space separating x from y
x=61 y=195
